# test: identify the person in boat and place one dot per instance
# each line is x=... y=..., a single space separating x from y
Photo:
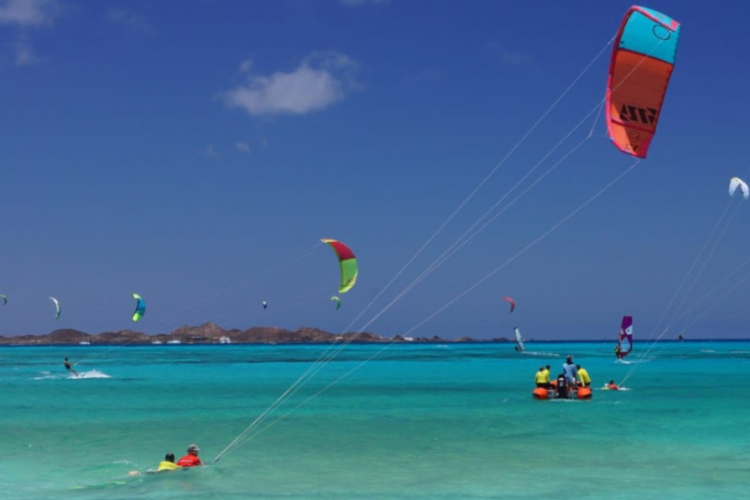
x=570 y=372
x=191 y=459
x=167 y=463
x=612 y=386
x=562 y=386
x=69 y=367
x=546 y=372
x=541 y=378
x=583 y=376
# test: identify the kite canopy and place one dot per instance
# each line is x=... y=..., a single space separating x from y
x=642 y=61
x=140 y=307
x=348 y=263
x=57 y=307
x=337 y=301
x=511 y=302
x=736 y=182
x=5 y=300
x=265 y=304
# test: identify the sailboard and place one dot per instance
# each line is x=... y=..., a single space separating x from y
x=625 y=337
x=519 y=340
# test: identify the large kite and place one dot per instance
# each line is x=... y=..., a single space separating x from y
x=348 y=263
x=642 y=61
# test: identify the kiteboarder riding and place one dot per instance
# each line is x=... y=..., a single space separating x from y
x=69 y=367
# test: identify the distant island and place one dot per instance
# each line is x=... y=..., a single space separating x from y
x=211 y=333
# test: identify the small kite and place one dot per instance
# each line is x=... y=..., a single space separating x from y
x=5 y=300
x=337 y=301
x=264 y=304
x=736 y=182
x=140 y=307
x=347 y=262
x=511 y=302
x=57 y=307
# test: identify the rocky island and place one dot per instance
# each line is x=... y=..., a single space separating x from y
x=211 y=333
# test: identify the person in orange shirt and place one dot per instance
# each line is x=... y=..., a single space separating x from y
x=191 y=459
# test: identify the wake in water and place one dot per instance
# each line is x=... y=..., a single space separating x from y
x=542 y=354
x=632 y=361
x=56 y=376
x=90 y=374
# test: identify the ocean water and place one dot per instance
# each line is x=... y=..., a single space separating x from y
x=414 y=422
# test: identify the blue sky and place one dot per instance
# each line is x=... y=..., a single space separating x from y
x=195 y=152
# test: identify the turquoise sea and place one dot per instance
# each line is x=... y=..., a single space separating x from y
x=445 y=422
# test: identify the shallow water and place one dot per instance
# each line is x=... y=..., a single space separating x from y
x=416 y=422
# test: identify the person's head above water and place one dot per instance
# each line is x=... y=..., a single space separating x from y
x=169 y=457
x=193 y=449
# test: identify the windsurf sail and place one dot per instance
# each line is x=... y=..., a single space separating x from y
x=519 y=340
x=625 y=338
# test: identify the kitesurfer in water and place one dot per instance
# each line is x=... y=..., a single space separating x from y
x=612 y=386
x=167 y=463
x=583 y=376
x=69 y=367
x=191 y=459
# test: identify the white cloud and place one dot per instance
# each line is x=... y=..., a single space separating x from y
x=28 y=12
x=131 y=21
x=25 y=55
x=246 y=65
x=242 y=146
x=322 y=79
x=509 y=56
x=210 y=152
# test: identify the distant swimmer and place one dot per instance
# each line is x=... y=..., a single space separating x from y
x=191 y=459
x=612 y=386
x=69 y=367
x=167 y=463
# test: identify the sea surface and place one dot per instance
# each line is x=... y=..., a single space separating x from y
x=443 y=422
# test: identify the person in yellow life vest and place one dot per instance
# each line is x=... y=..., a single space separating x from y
x=541 y=378
x=583 y=376
x=546 y=372
x=167 y=463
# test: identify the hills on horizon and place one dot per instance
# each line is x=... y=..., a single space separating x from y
x=211 y=333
